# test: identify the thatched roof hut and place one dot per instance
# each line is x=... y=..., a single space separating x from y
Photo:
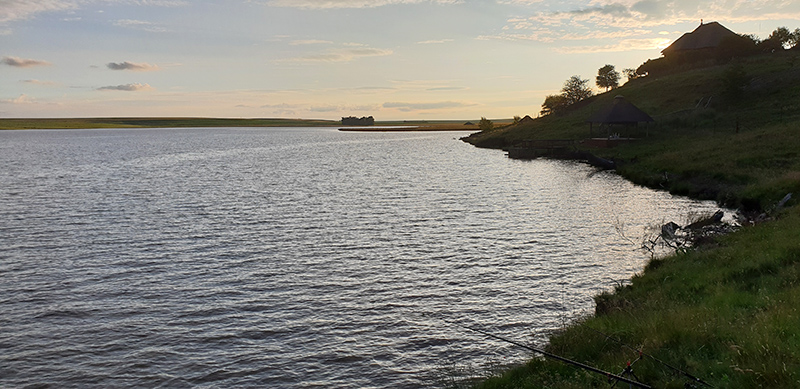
x=526 y=119
x=706 y=36
x=620 y=112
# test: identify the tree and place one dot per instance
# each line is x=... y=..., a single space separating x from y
x=486 y=125
x=553 y=104
x=576 y=89
x=517 y=119
x=631 y=74
x=607 y=77
x=794 y=41
x=781 y=36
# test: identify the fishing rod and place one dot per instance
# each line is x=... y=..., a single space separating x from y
x=641 y=353
x=562 y=359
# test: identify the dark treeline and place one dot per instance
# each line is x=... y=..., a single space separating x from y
x=354 y=121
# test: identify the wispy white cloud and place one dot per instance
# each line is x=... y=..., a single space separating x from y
x=624 y=45
x=140 y=25
x=310 y=42
x=136 y=87
x=447 y=88
x=22 y=99
x=11 y=10
x=631 y=24
x=410 y=107
x=137 y=67
x=435 y=41
x=40 y=82
x=23 y=9
x=328 y=4
x=282 y=109
x=23 y=62
x=343 y=108
x=342 y=55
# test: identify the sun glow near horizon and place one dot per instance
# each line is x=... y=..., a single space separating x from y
x=391 y=59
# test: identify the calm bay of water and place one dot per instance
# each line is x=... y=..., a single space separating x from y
x=294 y=258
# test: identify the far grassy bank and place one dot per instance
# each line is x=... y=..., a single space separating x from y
x=187 y=122
x=725 y=312
x=133 y=122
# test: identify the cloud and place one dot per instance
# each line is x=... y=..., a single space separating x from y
x=631 y=20
x=447 y=88
x=343 y=55
x=434 y=42
x=410 y=107
x=128 y=87
x=22 y=99
x=11 y=10
x=281 y=109
x=344 y=108
x=647 y=13
x=22 y=62
x=624 y=45
x=309 y=42
x=23 y=9
x=329 y=4
x=138 y=67
x=39 y=82
x=139 y=25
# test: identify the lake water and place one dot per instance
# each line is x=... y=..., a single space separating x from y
x=295 y=258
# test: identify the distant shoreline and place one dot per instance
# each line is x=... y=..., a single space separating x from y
x=409 y=129
x=191 y=122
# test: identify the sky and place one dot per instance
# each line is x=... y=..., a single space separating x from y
x=325 y=59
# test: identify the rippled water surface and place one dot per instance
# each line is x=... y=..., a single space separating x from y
x=294 y=257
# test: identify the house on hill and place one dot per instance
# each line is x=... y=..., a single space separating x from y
x=621 y=114
x=526 y=119
x=706 y=37
x=707 y=42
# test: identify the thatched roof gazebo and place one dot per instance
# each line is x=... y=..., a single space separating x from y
x=620 y=113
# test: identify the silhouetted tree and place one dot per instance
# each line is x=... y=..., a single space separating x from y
x=576 y=89
x=782 y=36
x=486 y=125
x=354 y=121
x=517 y=119
x=631 y=74
x=607 y=77
x=794 y=41
x=553 y=104
x=655 y=67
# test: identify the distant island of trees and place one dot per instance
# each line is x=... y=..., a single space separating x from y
x=354 y=121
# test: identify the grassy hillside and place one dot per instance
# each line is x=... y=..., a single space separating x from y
x=726 y=312
x=728 y=316
x=741 y=151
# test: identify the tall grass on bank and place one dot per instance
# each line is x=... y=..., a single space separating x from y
x=728 y=315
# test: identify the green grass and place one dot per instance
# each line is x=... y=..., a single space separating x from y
x=728 y=315
x=727 y=312
x=743 y=153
